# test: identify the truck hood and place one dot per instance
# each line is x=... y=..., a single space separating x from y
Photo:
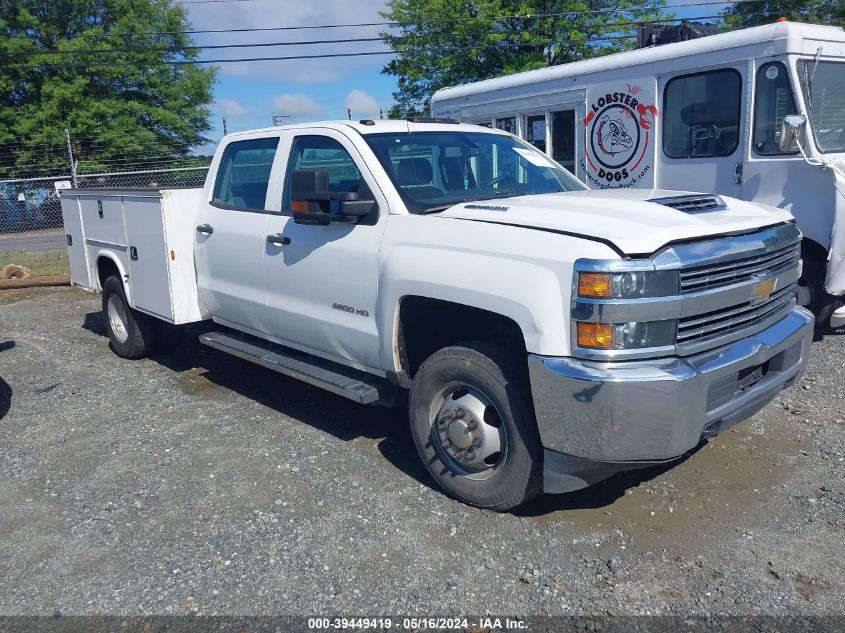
x=624 y=217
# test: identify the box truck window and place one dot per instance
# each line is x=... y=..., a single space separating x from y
x=702 y=114
x=244 y=174
x=508 y=124
x=823 y=84
x=772 y=101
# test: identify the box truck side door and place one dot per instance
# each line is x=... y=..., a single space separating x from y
x=703 y=130
x=230 y=237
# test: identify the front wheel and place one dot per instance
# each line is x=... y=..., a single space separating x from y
x=474 y=428
x=812 y=295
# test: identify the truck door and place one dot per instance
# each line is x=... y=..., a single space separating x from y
x=322 y=280
x=703 y=131
x=230 y=236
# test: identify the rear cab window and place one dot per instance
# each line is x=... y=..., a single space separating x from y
x=243 y=176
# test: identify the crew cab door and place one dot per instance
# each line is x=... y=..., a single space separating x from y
x=322 y=281
x=229 y=241
x=703 y=130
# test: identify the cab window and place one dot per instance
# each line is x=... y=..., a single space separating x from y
x=702 y=114
x=322 y=152
x=772 y=101
x=244 y=174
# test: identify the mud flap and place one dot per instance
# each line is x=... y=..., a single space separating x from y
x=835 y=282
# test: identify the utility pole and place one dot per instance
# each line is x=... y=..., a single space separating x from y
x=70 y=158
x=381 y=113
x=225 y=127
x=278 y=119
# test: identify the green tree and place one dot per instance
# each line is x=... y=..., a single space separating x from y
x=443 y=43
x=757 y=12
x=102 y=69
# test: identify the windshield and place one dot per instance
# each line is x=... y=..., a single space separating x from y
x=823 y=84
x=435 y=170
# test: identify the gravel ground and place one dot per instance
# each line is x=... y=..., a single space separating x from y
x=198 y=483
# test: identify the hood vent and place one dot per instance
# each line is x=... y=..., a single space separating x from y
x=692 y=204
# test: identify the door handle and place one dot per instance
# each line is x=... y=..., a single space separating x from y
x=278 y=240
x=205 y=229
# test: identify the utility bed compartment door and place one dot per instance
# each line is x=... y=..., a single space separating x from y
x=102 y=217
x=77 y=253
x=149 y=277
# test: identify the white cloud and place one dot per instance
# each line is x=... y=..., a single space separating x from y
x=362 y=104
x=297 y=105
x=230 y=107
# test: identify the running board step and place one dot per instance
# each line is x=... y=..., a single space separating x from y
x=318 y=373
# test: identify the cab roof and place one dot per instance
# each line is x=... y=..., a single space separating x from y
x=373 y=126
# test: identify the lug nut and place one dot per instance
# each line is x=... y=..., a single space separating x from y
x=441 y=423
x=446 y=443
x=469 y=455
x=472 y=425
x=476 y=442
x=448 y=413
x=459 y=414
x=456 y=454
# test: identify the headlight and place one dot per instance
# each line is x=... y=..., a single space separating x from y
x=627 y=285
x=633 y=335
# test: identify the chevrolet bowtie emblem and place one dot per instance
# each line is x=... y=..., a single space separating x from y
x=763 y=289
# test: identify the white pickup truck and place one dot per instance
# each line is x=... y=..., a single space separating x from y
x=548 y=335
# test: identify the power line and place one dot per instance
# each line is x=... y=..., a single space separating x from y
x=607 y=25
x=536 y=16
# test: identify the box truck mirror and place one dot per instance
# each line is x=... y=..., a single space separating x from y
x=792 y=130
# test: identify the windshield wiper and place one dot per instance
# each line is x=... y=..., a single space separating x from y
x=442 y=207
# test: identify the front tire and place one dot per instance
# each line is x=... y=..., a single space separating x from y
x=813 y=296
x=131 y=333
x=474 y=427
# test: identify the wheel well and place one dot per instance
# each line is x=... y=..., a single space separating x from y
x=427 y=325
x=106 y=268
x=813 y=250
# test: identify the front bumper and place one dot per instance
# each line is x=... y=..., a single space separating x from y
x=656 y=410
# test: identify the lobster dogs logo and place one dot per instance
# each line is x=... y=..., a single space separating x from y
x=617 y=129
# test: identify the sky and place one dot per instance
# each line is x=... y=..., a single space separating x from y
x=248 y=93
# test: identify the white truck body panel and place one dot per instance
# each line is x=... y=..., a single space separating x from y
x=148 y=235
x=806 y=189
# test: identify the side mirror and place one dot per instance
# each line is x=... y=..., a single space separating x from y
x=311 y=200
x=792 y=130
x=310 y=197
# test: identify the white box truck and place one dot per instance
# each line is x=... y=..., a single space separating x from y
x=701 y=115
x=547 y=335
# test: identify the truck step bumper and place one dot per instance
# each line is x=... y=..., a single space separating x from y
x=353 y=385
x=657 y=410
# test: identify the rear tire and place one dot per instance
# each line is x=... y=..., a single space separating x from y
x=131 y=333
x=471 y=400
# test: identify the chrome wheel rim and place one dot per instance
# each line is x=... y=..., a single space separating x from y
x=468 y=431
x=118 y=319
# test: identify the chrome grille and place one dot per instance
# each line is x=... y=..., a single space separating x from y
x=692 y=204
x=709 y=276
x=721 y=322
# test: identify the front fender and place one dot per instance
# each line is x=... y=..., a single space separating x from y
x=835 y=282
x=520 y=273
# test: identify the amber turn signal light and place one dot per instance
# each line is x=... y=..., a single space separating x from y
x=595 y=335
x=594 y=285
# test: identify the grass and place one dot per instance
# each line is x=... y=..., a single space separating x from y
x=40 y=264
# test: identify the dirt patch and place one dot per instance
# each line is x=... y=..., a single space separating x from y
x=730 y=476
x=34 y=282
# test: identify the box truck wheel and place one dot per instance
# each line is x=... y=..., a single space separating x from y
x=813 y=296
x=474 y=427
x=131 y=333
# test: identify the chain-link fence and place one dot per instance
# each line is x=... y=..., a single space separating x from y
x=32 y=240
